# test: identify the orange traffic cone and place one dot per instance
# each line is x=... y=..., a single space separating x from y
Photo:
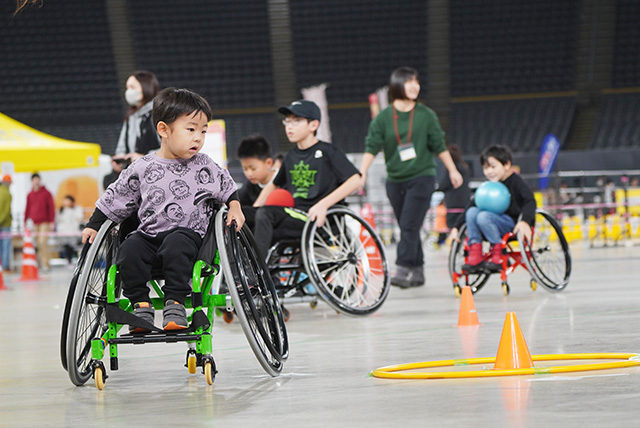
x=375 y=258
x=468 y=315
x=29 y=262
x=2 y=286
x=513 y=352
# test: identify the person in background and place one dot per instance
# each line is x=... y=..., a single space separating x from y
x=5 y=223
x=138 y=135
x=409 y=134
x=117 y=165
x=496 y=161
x=317 y=174
x=40 y=210
x=68 y=223
x=455 y=199
x=254 y=153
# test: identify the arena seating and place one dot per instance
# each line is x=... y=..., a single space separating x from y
x=57 y=68
x=626 y=61
x=355 y=45
x=506 y=47
x=617 y=125
x=520 y=124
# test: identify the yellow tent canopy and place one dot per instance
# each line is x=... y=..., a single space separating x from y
x=30 y=150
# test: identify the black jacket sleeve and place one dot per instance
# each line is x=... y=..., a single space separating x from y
x=96 y=220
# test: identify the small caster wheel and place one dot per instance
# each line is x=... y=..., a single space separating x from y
x=313 y=304
x=285 y=313
x=505 y=288
x=227 y=316
x=209 y=370
x=534 y=285
x=457 y=290
x=99 y=374
x=191 y=364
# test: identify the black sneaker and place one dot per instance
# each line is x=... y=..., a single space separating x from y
x=174 y=316
x=145 y=311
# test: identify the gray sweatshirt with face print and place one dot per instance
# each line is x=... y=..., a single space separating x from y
x=167 y=193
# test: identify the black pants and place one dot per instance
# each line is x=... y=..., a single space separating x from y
x=410 y=201
x=273 y=224
x=173 y=253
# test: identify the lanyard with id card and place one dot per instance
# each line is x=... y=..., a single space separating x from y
x=406 y=151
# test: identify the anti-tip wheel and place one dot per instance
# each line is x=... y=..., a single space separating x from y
x=191 y=364
x=505 y=288
x=227 y=316
x=457 y=290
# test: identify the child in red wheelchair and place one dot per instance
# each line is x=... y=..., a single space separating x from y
x=490 y=224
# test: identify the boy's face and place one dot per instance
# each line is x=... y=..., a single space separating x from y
x=494 y=170
x=299 y=128
x=183 y=138
x=257 y=170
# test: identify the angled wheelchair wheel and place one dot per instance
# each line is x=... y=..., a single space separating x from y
x=87 y=317
x=68 y=303
x=547 y=257
x=456 y=260
x=346 y=261
x=253 y=293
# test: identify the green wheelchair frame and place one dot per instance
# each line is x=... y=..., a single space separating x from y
x=95 y=313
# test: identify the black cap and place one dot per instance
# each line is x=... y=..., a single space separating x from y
x=302 y=108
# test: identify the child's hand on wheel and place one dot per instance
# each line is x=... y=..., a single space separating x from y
x=523 y=227
x=235 y=214
x=88 y=234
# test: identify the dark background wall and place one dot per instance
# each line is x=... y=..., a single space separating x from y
x=496 y=72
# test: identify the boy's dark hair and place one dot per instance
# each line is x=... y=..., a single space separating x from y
x=501 y=153
x=398 y=78
x=34 y=175
x=254 y=146
x=171 y=103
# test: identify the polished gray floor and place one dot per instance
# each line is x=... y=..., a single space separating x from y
x=326 y=381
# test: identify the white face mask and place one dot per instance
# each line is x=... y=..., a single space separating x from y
x=133 y=96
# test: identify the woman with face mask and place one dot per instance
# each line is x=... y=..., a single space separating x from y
x=138 y=135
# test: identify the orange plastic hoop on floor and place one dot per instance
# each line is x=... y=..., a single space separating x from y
x=390 y=372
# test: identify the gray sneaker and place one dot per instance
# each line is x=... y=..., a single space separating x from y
x=174 y=316
x=145 y=311
x=401 y=278
x=406 y=277
x=417 y=276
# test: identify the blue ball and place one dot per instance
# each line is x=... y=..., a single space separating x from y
x=493 y=196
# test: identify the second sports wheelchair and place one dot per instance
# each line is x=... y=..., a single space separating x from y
x=95 y=313
x=343 y=262
x=546 y=257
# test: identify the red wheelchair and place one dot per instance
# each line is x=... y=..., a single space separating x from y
x=546 y=258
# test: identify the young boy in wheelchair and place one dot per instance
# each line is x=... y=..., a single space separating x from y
x=317 y=174
x=171 y=195
x=481 y=224
x=259 y=167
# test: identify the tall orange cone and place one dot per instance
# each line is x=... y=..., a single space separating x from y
x=29 y=262
x=2 y=286
x=513 y=352
x=468 y=315
x=375 y=259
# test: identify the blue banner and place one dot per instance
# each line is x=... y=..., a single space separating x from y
x=548 y=155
